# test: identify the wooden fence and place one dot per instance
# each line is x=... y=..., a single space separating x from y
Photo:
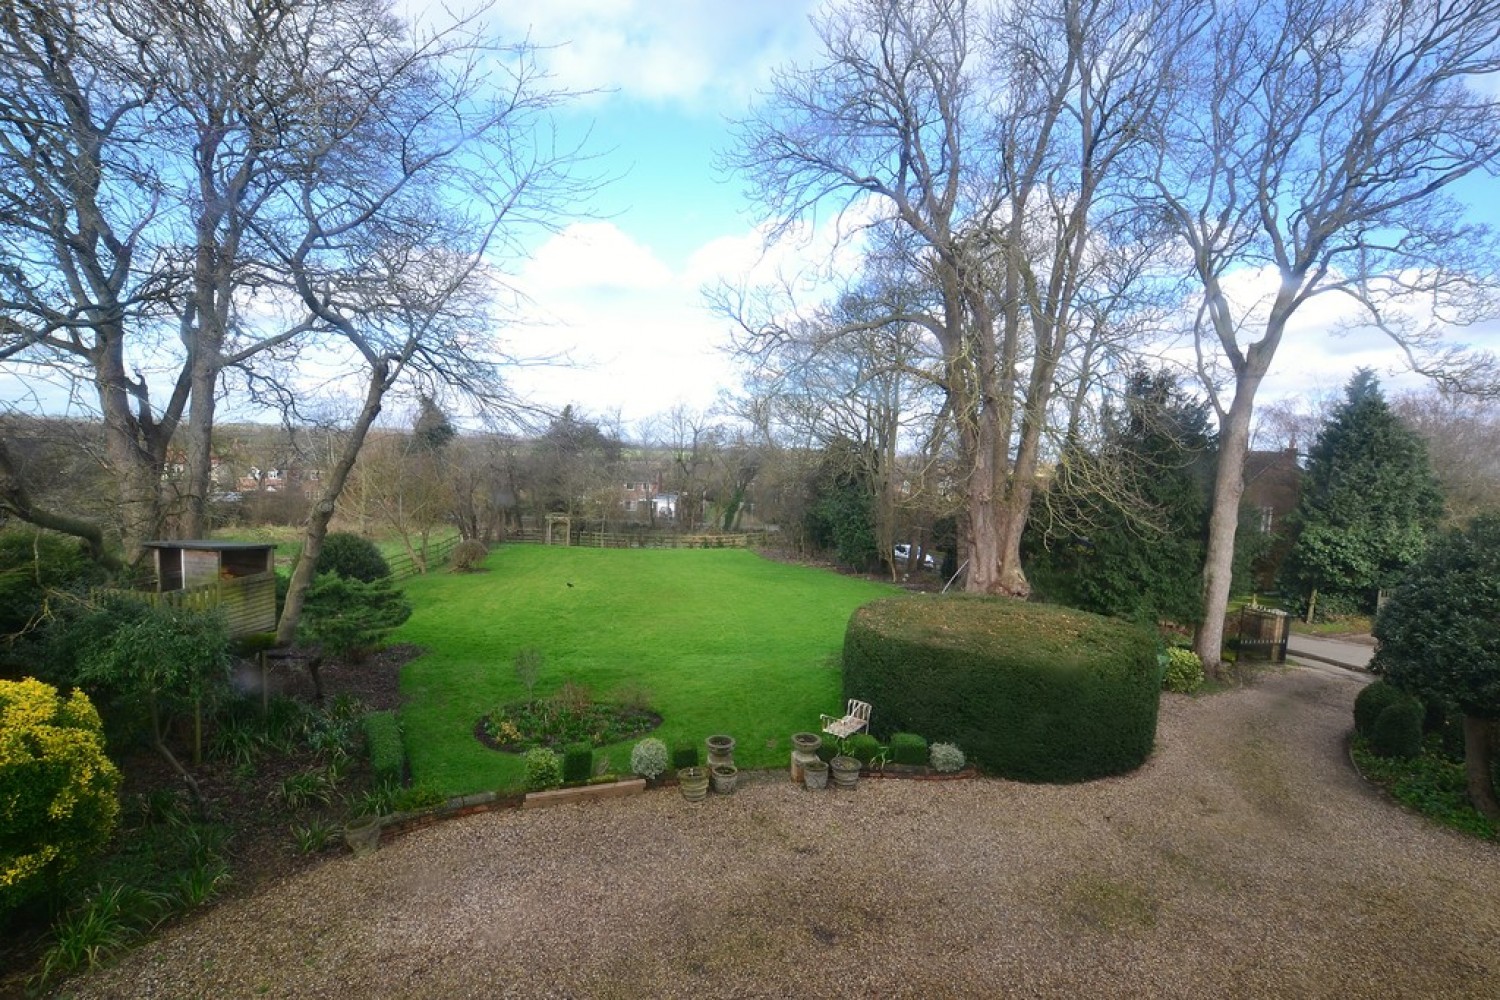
x=644 y=540
x=402 y=565
x=248 y=602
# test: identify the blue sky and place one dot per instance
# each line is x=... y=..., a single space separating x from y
x=622 y=294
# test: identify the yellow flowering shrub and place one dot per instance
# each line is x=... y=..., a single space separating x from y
x=59 y=793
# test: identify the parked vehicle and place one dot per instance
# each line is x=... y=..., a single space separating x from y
x=903 y=553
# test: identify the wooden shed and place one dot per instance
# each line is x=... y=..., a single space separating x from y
x=237 y=577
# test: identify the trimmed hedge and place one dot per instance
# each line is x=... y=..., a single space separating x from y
x=577 y=762
x=863 y=747
x=1031 y=691
x=684 y=755
x=1373 y=699
x=908 y=748
x=387 y=753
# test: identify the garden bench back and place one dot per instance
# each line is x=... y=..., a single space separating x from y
x=858 y=718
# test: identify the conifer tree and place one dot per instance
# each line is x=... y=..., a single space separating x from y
x=1369 y=505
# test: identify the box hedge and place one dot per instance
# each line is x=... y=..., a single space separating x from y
x=1030 y=691
x=387 y=753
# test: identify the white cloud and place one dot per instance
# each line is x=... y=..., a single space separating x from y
x=689 y=51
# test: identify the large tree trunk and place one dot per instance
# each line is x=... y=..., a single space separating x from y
x=322 y=511
x=136 y=450
x=1224 y=520
x=1478 y=766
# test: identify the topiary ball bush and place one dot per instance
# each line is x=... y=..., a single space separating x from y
x=1031 y=691
x=1373 y=699
x=352 y=557
x=648 y=758
x=1398 y=730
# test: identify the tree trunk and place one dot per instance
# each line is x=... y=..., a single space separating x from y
x=1478 y=766
x=322 y=511
x=1224 y=520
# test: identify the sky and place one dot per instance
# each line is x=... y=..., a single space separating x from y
x=622 y=293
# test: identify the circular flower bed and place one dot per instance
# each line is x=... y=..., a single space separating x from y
x=547 y=722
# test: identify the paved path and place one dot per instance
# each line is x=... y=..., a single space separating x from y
x=1339 y=652
x=1244 y=859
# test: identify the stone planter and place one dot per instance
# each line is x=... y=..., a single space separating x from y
x=815 y=774
x=806 y=742
x=724 y=776
x=845 y=772
x=720 y=751
x=694 y=783
x=363 y=835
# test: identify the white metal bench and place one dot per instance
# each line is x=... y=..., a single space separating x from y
x=857 y=719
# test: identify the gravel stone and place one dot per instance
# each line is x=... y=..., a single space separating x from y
x=1245 y=859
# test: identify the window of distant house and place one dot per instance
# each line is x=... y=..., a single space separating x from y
x=1267 y=519
x=630 y=505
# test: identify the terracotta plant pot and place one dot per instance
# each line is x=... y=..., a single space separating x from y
x=694 y=783
x=724 y=778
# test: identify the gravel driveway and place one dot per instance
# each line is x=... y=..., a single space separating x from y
x=1245 y=859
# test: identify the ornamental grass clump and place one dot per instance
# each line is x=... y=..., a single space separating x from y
x=649 y=758
x=1030 y=691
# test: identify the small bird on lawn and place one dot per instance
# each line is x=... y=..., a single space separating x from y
x=570 y=583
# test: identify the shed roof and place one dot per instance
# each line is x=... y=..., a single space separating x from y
x=210 y=545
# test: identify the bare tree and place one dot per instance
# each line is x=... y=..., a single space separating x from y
x=214 y=191
x=990 y=137
x=1313 y=143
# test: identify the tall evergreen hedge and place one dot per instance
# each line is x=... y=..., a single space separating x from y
x=1033 y=692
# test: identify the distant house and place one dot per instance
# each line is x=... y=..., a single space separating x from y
x=642 y=499
x=1273 y=484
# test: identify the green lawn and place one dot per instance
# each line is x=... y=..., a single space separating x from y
x=724 y=641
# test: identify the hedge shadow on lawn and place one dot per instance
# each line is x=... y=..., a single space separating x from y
x=1032 y=692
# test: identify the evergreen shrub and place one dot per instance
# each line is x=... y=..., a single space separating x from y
x=1031 y=691
x=543 y=769
x=684 y=755
x=946 y=758
x=387 y=753
x=1184 y=671
x=863 y=747
x=1372 y=700
x=908 y=748
x=59 y=793
x=1398 y=730
x=578 y=762
x=648 y=758
x=352 y=557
